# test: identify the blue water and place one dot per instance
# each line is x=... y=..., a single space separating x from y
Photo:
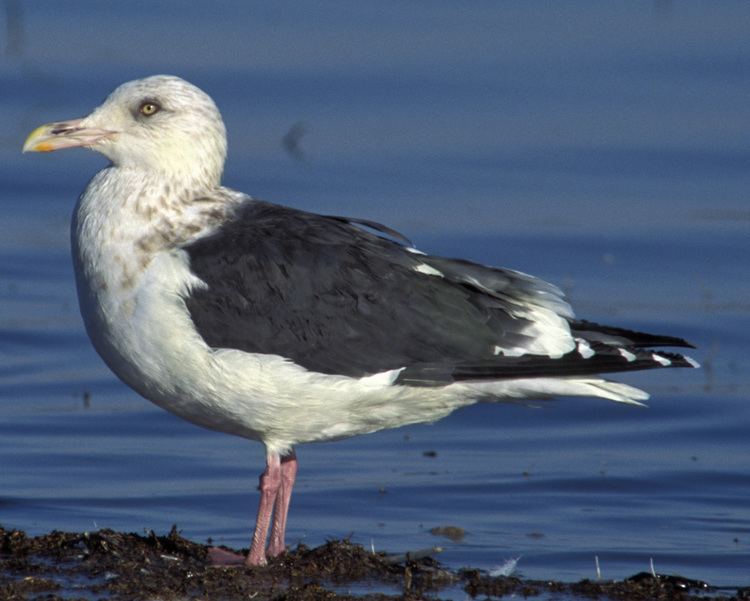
x=605 y=147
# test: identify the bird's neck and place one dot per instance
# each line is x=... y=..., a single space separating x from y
x=139 y=199
x=127 y=214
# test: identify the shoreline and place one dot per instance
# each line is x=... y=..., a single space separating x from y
x=124 y=566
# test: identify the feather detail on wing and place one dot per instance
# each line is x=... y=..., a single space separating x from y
x=336 y=298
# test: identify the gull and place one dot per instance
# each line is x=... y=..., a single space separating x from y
x=287 y=327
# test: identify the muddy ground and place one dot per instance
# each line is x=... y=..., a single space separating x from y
x=118 y=566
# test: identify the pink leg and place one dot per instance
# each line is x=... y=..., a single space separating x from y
x=276 y=484
x=270 y=483
x=281 y=507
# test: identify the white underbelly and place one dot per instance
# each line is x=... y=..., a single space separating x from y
x=145 y=335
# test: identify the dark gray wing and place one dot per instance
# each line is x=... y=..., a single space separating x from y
x=338 y=299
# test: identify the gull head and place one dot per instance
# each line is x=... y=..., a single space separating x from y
x=160 y=124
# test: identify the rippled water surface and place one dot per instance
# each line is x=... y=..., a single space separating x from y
x=603 y=147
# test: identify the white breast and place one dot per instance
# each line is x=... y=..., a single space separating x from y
x=131 y=299
x=144 y=334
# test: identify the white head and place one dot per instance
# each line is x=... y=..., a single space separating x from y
x=161 y=123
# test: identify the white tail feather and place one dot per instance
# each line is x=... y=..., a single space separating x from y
x=539 y=388
x=621 y=393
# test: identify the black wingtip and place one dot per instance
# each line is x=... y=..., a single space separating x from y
x=613 y=335
x=599 y=358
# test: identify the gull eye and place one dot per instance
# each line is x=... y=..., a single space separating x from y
x=148 y=108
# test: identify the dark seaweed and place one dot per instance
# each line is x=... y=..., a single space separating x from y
x=119 y=566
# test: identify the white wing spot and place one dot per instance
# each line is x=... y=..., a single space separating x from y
x=414 y=251
x=508 y=352
x=630 y=357
x=661 y=360
x=383 y=378
x=424 y=268
x=584 y=348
